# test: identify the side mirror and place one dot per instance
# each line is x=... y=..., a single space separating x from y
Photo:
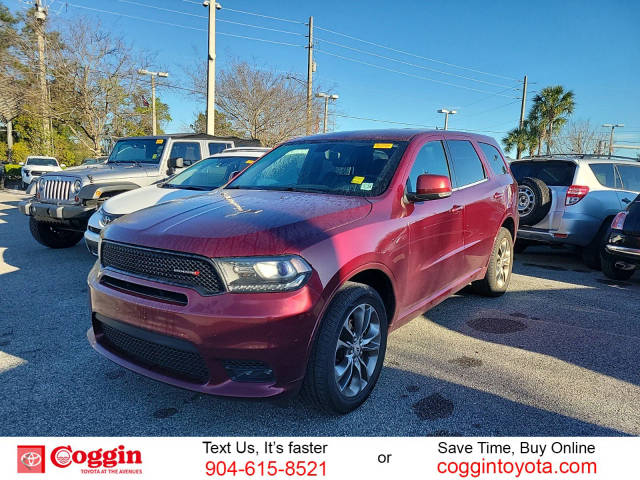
x=175 y=162
x=431 y=187
x=63 y=165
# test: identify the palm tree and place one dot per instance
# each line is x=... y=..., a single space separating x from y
x=523 y=139
x=551 y=107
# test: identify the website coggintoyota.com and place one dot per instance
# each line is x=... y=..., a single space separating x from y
x=335 y=240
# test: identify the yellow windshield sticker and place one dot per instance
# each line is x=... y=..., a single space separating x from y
x=357 y=180
x=250 y=161
x=154 y=156
x=383 y=145
x=159 y=141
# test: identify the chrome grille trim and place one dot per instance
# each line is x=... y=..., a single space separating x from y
x=56 y=188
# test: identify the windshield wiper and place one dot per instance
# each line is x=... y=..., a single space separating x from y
x=187 y=187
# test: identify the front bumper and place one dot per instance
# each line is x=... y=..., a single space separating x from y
x=91 y=241
x=33 y=208
x=269 y=331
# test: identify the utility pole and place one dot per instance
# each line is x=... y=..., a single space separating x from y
x=40 y=15
x=153 y=75
x=613 y=126
x=9 y=139
x=211 y=66
x=326 y=97
x=310 y=70
x=522 y=110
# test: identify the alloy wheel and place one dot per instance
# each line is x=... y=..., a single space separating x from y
x=526 y=200
x=503 y=262
x=357 y=350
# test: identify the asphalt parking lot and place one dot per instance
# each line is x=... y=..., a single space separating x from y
x=557 y=355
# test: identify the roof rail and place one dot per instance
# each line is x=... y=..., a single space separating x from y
x=579 y=155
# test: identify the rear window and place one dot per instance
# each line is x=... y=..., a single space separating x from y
x=492 y=154
x=554 y=172
x=606 y=174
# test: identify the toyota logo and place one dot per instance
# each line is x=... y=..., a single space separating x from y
x=30 y=459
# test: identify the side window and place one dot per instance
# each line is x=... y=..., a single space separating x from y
x=217 y=147
x=189 y=151
x=467 y=166
x=431 y=159
x=630 y=177
x=606 y=174
x=494 y=158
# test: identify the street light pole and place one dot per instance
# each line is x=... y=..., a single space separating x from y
x=446 y=116
x=326 y=97
x=153 y=76
x=211 y=66
x=613 y=126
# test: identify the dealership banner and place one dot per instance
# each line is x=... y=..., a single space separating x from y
x=320 y=457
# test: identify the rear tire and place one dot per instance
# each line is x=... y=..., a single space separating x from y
x=534 y=200
x=335 y=349
x=496 y=280
x=611 y=271
x=46 y=234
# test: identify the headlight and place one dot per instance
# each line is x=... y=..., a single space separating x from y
x=77 y=185
x=41 y=184
x=26 y=172
x=264 y=274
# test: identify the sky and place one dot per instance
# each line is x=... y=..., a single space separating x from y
x=469 y=56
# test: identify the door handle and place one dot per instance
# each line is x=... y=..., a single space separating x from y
x=626 y=200
x=498 y=195
x=456 y=208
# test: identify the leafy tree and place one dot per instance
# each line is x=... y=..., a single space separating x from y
x=222 y=125
x=522 y=139
x=550 y=110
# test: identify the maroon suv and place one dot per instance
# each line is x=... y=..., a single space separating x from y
x=294 y=273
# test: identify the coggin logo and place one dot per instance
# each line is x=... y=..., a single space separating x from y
x=64 y=456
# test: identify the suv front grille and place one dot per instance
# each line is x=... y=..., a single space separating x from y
x=180 y=361
x=55 y=189
x=174 y=268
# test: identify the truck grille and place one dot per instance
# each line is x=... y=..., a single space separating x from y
x=174 y=268
x=56 y=189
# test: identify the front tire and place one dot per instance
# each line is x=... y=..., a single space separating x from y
x=349 y=350
x=48 y=235
x=496 y=280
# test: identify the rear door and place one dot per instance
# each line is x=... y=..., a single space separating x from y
x=475 y=191
x=435 y=230
x=630 y=176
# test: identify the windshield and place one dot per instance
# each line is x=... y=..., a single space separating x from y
x=42 y=162
x=209 y=173
x=359 y=167
x=137 y=150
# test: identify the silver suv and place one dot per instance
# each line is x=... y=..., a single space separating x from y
x=572 y=199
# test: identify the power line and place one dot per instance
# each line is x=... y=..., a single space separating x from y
x=251 y=13
x=383 y=121
x=321 y=40
x=410 y=74
x=180 y=12
x=160 y=22
x=490 y=109
x=415 y=55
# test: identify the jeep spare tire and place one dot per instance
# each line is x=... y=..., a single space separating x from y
x=534 y=200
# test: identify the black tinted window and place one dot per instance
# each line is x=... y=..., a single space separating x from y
x=431 y=159
x=467 y=166
x=216 y=147
x=188 y=151
x=552 y=172
x=630 y=177
x=494 y=158
x=606 y=174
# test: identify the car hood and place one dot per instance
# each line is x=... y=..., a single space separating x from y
x=228 y=223
x=140 y=198
x=110 y=172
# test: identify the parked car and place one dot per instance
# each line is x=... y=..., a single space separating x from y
x=35 y=166
x=204 y=175
x=63 y=202
x=572 y=199
x=293 y=274
x=621 y=255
